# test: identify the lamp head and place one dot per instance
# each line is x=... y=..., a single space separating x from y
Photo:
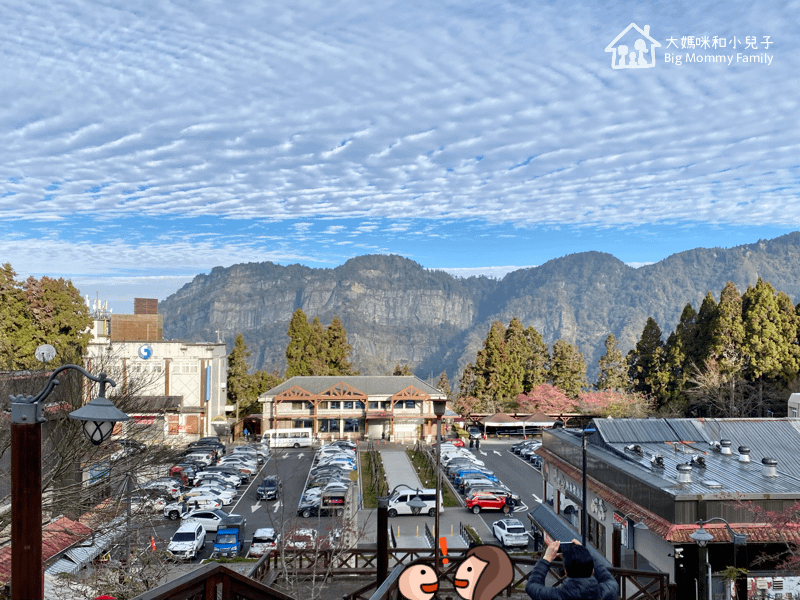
x=702 y=537
x=439 y=406
x=99 y=416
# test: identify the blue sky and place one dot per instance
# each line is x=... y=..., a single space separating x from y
x=142 y=145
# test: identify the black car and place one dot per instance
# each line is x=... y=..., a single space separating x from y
x=269 y=488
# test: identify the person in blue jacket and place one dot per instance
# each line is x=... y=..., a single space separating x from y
x=586 y=579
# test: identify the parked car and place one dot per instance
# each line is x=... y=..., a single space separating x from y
x=486 y=501
x=300 y=539
x=209 y=519
x=510 y=532
x=455 y=443
x=176 y=510
x=269 y=488
x=265 y=540
x=187 y=541
x=475 y=433
x=169 y=486
x=225 y=495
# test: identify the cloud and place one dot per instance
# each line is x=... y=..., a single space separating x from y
x=509 y=114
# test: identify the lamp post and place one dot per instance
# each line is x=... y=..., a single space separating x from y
x=98 y=418
x=616 y=545
x=416 y=503
x=702 y=537
x=439 y=407
x=583 y=484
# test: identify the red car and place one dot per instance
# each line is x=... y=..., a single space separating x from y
x=486 y=501
x=457 y=442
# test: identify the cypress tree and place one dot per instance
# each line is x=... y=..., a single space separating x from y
x=300 y=335
x=568 y=369
x=612 y=368
x=538 y=363
x=647 y=361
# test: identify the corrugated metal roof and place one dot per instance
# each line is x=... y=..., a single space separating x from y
x=379 y=385
x=649 y=430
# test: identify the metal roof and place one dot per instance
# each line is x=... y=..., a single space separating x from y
x=686 y=441
x=379 y=385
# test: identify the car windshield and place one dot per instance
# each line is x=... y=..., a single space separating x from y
x=263 y=540
x=226 y=538
x=183 y=536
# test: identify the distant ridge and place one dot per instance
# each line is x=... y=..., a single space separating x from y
x=397 y=312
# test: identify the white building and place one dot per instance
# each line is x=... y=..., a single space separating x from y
x=178 y=386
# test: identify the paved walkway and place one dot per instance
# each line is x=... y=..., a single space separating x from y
x=409 y=531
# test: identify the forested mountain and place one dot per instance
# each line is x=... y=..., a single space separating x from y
x=397 y=312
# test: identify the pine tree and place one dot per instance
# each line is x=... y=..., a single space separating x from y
x=702 y=338
x=768 y=337
x=612 y=368
x=519 y=354
x=646 y=363
x=538 y=363
x=239 y=382
x=300 y=335
x=726 y=335
x=338 y=349
x=399 y=371
x=490 y=367
x=443 y=385
x=568 y=369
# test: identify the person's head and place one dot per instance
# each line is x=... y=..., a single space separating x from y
x=577 y=560
x=485 y=572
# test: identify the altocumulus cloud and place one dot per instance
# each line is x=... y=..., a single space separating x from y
x=504 y=112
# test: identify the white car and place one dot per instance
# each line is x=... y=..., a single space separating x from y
x=264 y=540
x=188 y=541
x=227 y=496
x=233 y=480
x=180 y=509
x=510 y=532
x=209 y=519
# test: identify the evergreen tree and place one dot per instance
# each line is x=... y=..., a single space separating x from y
x=300 y=335
x=519 y=354
x=768 y=337
x=646 y=363
x=725 y=338
x=339 y=350
x=568 y=369
x=317 y=349
x=538 y=362
x=467 y=386
x=443 y=385
x=239 y=382
x=399 y=371
x=16 y=331
x=612 y=368
x=490 y=367
x=702 y=338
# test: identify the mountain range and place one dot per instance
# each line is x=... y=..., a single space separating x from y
x=396 y=312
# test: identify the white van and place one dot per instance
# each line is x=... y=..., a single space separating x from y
x=398 y=503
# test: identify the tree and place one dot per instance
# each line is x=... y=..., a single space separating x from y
x=400 y=371
x=490 y=367
x=613 y=403
x=443 y=385
x=647 y=362
x=518 y=355
x=300 y=335
x=567 y=369
x=16 y=330
x=239 y=383
x=726 y=334
x=612 y=368
x=538 y=361
x=338 y=350
x=548 y=399
x=769 y=328
x=679 y=361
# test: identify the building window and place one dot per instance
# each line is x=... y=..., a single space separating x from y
x=328 y=425
x=302 y=423
x=410 y=404
x=359 y=405
x=352 y=425
x=374 y=405
x=348 y=404
x=334 y=405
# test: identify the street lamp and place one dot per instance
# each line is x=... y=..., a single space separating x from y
x=583 y=484
x=99 y=417
x=439 y=407
x=702 y=537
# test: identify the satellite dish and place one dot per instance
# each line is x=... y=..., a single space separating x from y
x=45 y=353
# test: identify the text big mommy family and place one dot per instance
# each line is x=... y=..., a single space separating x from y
x=728 y=59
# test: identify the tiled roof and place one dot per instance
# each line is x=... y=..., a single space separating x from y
x=382 y=385
x=56 y=537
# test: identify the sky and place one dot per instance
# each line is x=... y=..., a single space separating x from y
x=142 y=144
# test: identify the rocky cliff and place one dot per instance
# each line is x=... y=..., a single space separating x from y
x=397 y=312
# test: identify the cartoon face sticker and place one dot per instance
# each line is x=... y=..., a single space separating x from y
x=484 y=573
x=418 y=582
x=467 y=576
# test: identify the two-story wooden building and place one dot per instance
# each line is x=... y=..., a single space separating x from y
x=355 y=407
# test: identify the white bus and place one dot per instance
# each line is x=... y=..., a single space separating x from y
x=295 y=437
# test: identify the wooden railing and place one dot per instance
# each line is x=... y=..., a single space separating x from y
x=254 y=583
